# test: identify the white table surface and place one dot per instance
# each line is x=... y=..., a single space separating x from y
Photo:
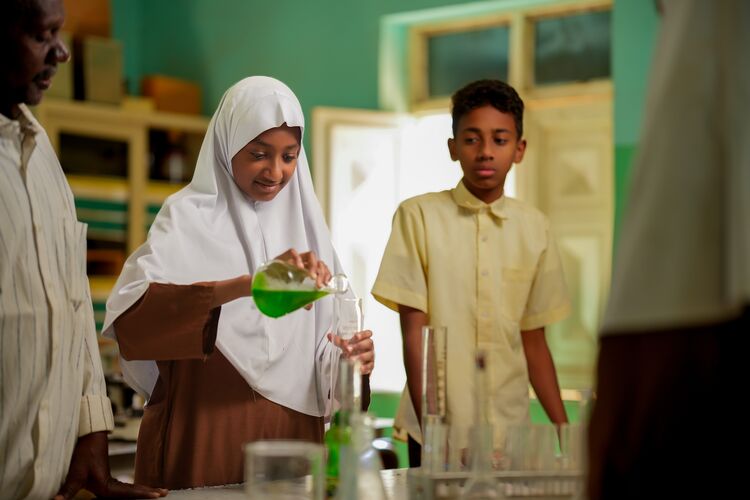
x=393 y=480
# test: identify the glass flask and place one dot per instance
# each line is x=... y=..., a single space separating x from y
x=280 y=288
x=361 y=464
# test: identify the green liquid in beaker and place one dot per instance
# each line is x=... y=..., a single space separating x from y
x=276 y=303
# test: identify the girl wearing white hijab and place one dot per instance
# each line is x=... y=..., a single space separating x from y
x=216 y=372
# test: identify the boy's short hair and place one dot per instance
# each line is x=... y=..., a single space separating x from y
x=495 y=93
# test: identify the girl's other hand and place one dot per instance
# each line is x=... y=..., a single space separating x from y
x=360 y=347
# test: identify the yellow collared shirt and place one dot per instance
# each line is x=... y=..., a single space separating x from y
x=486 y=272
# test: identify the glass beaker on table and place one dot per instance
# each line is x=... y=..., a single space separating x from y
x=284 y=470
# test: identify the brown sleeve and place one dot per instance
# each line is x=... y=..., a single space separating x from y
x=169 y=322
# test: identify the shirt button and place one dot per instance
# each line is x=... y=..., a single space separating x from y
x=485 y=314
x=485 y=273
x=484 y=238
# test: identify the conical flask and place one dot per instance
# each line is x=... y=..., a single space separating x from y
x=361 y=464
x=280 y=288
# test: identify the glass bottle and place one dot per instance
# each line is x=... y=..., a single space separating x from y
x=481 y=484
x=338 y=437
x=175 y=161
x=280 y=288
x=348 y=320
x=360 y=469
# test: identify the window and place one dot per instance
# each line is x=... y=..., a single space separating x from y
x=547 y=50
x=573 y=48
x=455 y=59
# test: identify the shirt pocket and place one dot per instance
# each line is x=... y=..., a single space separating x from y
x=516 y=283
x=74 y=260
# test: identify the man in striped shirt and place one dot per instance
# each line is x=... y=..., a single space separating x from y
x=54 y=412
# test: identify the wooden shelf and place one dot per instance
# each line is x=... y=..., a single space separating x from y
x=101 y=286
x=88 y=112
x=99 y=187
x=118 y=210
x=124 y=124
x=158 y=191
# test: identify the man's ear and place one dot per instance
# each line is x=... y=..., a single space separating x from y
x=452 y=149
x=520 y=150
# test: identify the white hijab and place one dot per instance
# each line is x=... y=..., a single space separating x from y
x=211 y=231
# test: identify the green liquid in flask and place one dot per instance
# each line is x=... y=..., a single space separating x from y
x=277 y=303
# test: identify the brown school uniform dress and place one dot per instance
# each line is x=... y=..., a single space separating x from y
x=201 y=412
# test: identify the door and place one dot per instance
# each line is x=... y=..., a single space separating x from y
x=568 y=174
x=365 y=164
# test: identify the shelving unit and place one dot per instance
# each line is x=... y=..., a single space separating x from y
x=110 y=157
x=130 y=127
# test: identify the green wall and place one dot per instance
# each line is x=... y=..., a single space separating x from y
x=128 y=27
x=329 y=51
x=634 y=29
x=325 y=50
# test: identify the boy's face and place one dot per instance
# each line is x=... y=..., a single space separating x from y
x=33 y=51
x=486 y=145
x=266 y=164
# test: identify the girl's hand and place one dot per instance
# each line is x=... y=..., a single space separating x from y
x=317 y=269
x=359 y=347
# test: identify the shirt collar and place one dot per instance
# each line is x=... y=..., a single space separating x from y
x=465 y=199
x=24 y=124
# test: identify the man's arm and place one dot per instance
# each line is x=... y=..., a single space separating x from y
x=412 y=321
x=89 y=465
x=542 y=374
x=89 y=468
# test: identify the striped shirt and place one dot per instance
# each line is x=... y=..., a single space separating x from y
x=52 y=387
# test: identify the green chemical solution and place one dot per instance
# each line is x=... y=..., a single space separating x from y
x=337 y=438
x=276 y=303
x=280 y=288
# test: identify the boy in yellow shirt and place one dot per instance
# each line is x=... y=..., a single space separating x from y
x=481 y=264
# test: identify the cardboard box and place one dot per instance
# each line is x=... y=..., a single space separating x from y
x=137 y=104
x=88 y=17
x=172 y=94
x=62 y=83
x=99 y=73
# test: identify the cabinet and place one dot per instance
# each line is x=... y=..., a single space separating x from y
x=121 y=164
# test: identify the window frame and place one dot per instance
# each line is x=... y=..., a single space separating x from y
x=520 y=23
